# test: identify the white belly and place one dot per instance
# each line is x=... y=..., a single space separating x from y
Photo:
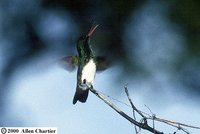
x=88 y=72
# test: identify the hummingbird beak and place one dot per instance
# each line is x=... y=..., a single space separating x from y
x=92 y=29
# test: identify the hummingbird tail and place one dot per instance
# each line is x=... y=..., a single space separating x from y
x=80 y=95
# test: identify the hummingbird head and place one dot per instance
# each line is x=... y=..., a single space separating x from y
x=83 y=44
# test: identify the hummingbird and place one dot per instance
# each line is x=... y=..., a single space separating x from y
x=87 y=64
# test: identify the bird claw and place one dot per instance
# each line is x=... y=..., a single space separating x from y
x=85 y=85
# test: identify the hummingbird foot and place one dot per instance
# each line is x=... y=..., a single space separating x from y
x=85 y=85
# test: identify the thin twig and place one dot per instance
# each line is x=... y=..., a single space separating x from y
x=178 y=123
x=133 y=107
x=112 y=98
x=153 y=116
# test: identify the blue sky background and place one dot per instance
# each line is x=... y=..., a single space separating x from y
x=42 y=92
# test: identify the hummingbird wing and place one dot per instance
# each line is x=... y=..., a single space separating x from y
x=69 y=63
x=102 y=63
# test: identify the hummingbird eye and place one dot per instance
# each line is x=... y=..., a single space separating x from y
x=82 y=38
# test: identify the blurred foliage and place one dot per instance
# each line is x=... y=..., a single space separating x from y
x=24 y=43
x=186 y=13
x=110 y=14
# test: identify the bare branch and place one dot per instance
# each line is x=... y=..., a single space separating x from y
x=144 y=125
